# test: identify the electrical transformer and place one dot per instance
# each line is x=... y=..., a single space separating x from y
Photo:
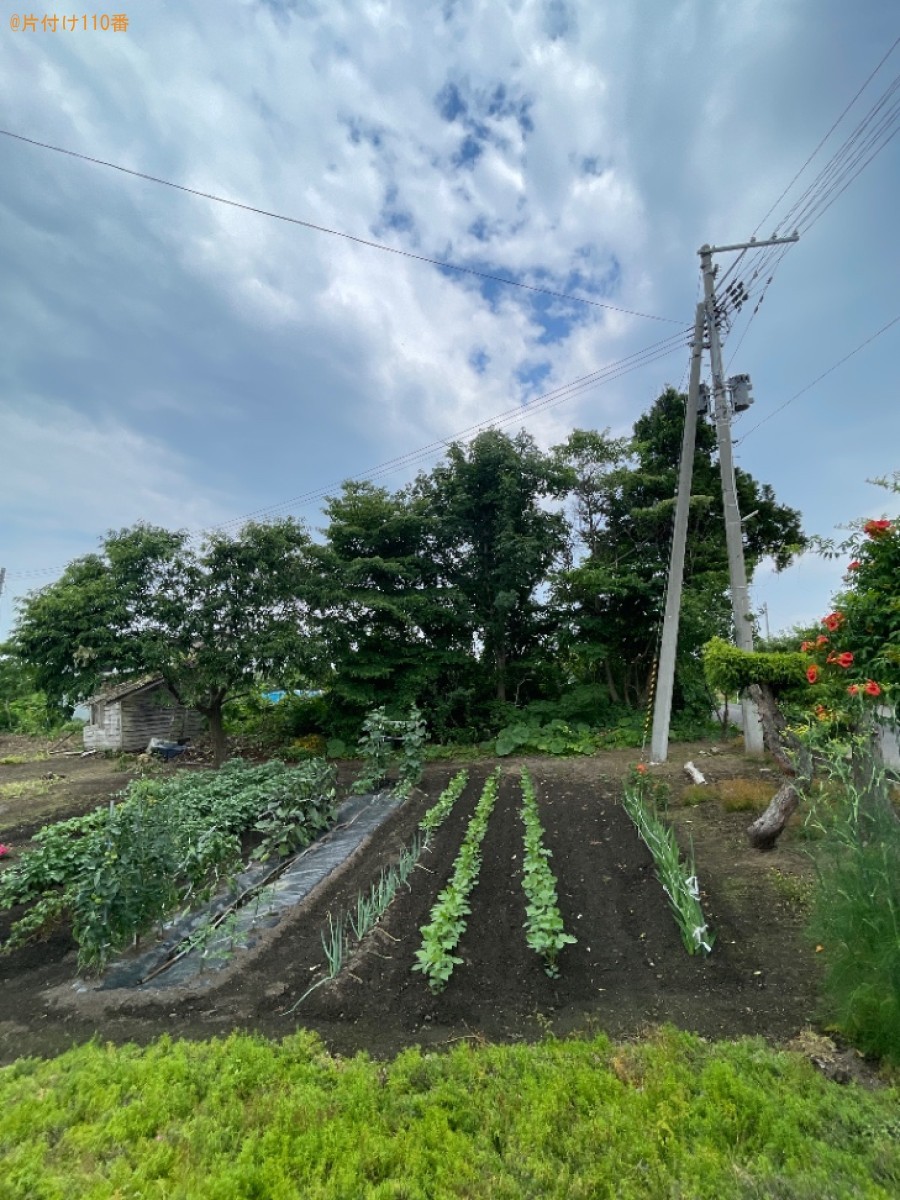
x=741 y=395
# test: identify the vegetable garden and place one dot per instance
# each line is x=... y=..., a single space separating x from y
x=491 y=901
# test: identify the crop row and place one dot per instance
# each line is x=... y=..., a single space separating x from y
x=164 y=846
x=371 y=906
x=544 y=930
x=440 y=937
x=679 y=879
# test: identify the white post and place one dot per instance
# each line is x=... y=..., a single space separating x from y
x=740 y=600
x=665 y=681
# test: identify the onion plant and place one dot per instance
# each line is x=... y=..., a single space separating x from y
x=544 y=929
x=679 y=879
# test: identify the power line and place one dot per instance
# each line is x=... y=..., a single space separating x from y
x=350 y=237
x=834 y=126
x=817 y=187
x=818 y=378
x=616 y=370
x=632 y=362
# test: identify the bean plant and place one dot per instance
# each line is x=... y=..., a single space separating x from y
x=376 y=745
x=679 y=880
x=440 y=937
x=544 y=930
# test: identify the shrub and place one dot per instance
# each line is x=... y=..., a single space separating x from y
x=856 y=909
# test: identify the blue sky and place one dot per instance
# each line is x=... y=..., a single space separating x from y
x=174 y=360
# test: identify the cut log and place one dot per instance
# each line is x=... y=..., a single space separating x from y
x=766 y=830
x=696 y=775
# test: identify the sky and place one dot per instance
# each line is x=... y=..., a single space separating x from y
x=170 y=359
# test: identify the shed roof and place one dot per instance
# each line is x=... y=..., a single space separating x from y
x=131 y=687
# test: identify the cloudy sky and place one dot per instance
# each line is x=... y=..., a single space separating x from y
x=172 y=359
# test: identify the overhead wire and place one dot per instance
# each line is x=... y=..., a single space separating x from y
x=547 y=400
x=646 y=356
x=796 y=396
x=360 y=241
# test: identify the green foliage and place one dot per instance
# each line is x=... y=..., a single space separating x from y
x=377 y=750
x=856 y=914
x=440 y=810
x=870 y=601
x=610 y=597
x=117 y=870
x=210 y=621
x=440 y=937
x=730 y=670
x=244 y=1117
x=556 y=737
x=544 y=928
x=679 y=880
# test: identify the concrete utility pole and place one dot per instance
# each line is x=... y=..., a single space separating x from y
x=740 y=600
x=665 y=679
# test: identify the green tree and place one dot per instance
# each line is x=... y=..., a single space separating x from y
x=495 y=543
x=613 y=592
x=209 y=620
x=393 y=634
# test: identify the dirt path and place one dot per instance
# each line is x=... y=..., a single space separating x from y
x=628 y=968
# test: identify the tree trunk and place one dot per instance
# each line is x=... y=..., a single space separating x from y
x=610 y=682
x=500 y=668
x=767 y=829
x=794 y=760
x=217 y=733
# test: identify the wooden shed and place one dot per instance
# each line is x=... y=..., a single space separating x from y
x=127 y=716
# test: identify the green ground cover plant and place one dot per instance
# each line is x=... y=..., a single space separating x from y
x=544 y=928
x=440 y=937
x=679 y=879
x=673 y=1116
x=164 y=845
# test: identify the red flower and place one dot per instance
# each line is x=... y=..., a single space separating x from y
x=812 y=674
x=876 y=528
x=855 y=565
x=641 y=768
x=872 y=688
x=853 y=689
x=844 y=660
x=833 y=621
x=807 y=646
x=821 y=640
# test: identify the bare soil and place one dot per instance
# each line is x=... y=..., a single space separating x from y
x=628 y=969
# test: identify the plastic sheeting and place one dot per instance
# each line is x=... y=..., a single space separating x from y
x=168 y=965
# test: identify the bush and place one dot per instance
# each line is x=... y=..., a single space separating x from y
x=856 y=910
x=557 y=737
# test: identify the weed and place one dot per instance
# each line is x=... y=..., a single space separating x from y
x=745 y=795
x=697 y=793
x=18 y=760
x=796 y=890
x=19 y=788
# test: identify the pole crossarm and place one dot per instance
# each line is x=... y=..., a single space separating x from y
x=753 y=244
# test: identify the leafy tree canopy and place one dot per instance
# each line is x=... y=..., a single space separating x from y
x=209 y=620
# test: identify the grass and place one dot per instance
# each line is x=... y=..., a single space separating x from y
x=245 y=1117
x=798 y=891
x=24 y=787
x=18 y=760
x=734 y=795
